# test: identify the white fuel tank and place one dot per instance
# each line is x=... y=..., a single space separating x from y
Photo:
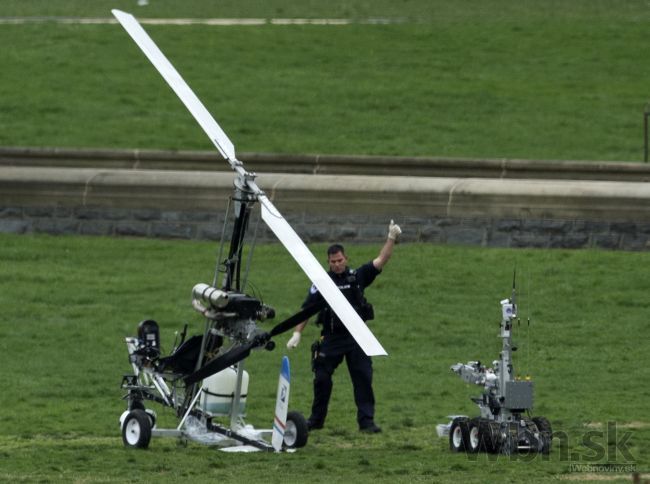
x=218 y=392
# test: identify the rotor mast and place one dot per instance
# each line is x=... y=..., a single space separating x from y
x=244 y=197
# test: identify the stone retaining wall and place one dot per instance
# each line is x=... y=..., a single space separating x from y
x=488 y=212
x=485 y=232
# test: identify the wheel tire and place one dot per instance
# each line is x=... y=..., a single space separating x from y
x=509 y=439
x=139 y=405
x=545 y=443
x=546 y=433
x=489 y=432
x=296 y=431
x=136 y=430
x=543 y=425
x=474 y=436
x=152 y=417
x=459 y=434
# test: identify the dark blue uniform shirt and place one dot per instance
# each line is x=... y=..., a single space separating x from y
x=351 y=283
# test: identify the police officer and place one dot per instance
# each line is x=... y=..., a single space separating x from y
x=336 y=342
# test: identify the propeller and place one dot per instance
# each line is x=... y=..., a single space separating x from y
x=271 y=216
x=299 y=317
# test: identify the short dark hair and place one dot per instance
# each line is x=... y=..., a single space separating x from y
x=335 y=249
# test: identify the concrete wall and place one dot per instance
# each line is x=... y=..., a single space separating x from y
x=326 y=164
x=75 y=197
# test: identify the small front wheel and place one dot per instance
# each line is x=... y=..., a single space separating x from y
x=296 y=431
x=136 y=429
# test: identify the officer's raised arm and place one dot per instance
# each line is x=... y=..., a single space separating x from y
x=386 y=251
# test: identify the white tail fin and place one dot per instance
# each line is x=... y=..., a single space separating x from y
x=281 y=406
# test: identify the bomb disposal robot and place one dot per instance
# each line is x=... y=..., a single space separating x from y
x=505 y=425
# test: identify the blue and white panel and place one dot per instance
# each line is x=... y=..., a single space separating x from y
x=281 y=405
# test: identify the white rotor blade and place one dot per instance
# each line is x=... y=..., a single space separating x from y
x=176 y=82
x=306 y=260
x=270 y=214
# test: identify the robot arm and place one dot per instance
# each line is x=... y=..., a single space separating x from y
x=474 y=372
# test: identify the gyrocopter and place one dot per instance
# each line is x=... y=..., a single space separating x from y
x=203 y=379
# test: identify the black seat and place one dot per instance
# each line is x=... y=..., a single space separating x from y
x=184 y=359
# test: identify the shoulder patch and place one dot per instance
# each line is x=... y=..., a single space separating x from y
x=313 y=289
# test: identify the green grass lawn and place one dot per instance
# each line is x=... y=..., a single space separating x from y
x=68 y=302
x=407 y=10
x=561 y=80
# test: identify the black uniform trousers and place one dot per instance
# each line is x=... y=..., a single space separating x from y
x=333 y=348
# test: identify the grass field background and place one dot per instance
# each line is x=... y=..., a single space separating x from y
x=539 y=80
x=407 y=10
x=68 y=302
x=495 y=79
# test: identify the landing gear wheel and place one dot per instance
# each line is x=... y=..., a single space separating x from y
x=546 y=433
x=136 y=429
x=139 y=405
x=475 y=436
x=296 y=431
x=459 y=434
x=152 y=416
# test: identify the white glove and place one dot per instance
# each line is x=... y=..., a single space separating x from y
x=294 y=340
x=393 y=231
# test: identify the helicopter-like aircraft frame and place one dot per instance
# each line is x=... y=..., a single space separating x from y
x=179 y=379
